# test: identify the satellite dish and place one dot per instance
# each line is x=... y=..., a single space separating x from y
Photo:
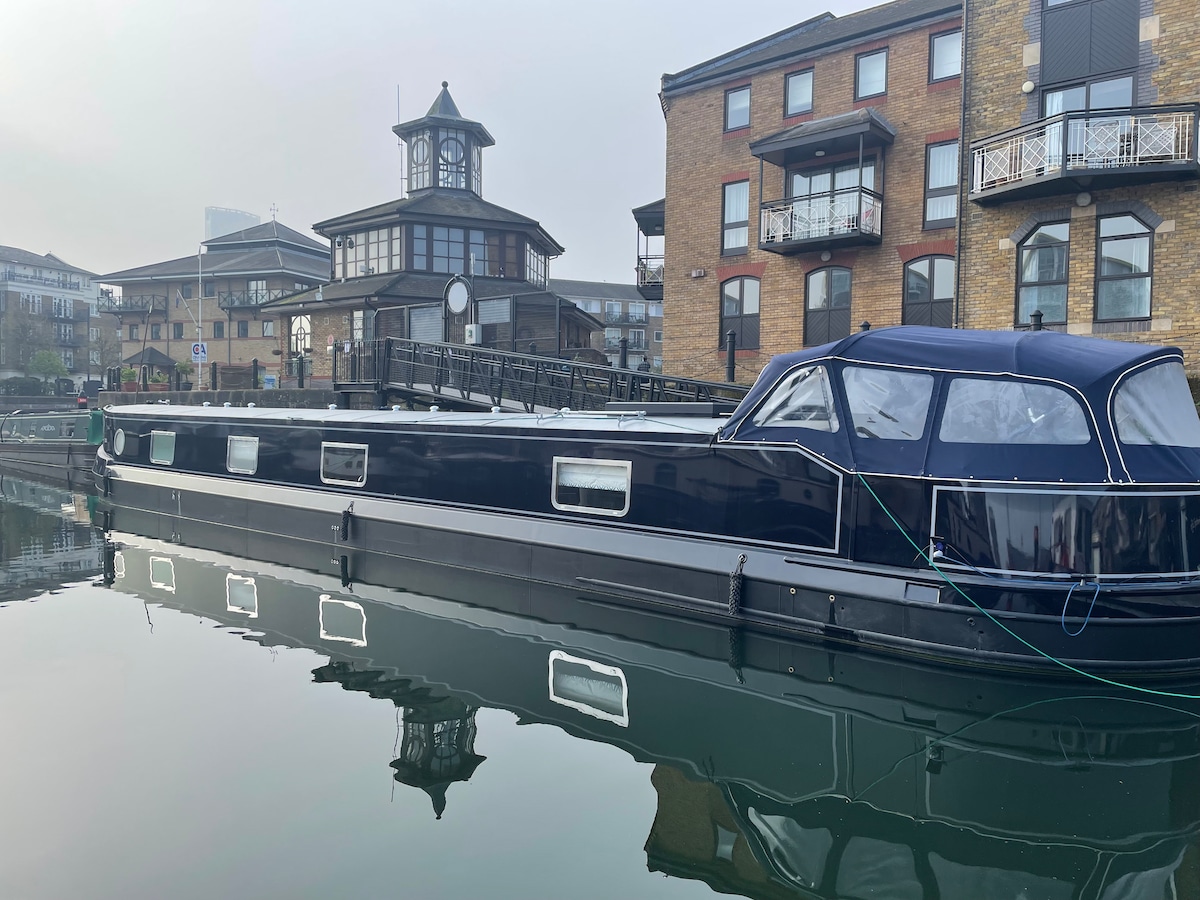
x=458 y=296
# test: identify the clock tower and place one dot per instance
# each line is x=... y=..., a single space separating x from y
x=445 y=151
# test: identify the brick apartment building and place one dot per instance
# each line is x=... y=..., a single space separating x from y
x=812 y=184
x=159 y=307
x=1080 y=185
x=48 y=304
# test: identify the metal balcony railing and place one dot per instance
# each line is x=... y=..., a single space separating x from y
x=848 y=212
x=140 y=304
x=64 y=283
x=611 y=346
x=1085 y=141
x=625 y=319
x=650 y=270
x=235 y=299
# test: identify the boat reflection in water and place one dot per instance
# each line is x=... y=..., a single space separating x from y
x=782 y=770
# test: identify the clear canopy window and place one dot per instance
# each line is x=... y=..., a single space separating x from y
x=803 y=400
x=992 y=411
x=887 y=403
x=1155 y=406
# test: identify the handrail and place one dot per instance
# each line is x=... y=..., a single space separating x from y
x=480 y=376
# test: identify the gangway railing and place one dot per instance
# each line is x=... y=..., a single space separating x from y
x=479 y=377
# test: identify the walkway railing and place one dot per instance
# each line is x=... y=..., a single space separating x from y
x=481 y=378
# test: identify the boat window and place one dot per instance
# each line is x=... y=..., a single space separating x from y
x=162 y=447
x=241 y=455
x=1155 y=406
x=887 y=403
x=994 y=411
x=344 y=464
x=597 y=486
x=804 y=400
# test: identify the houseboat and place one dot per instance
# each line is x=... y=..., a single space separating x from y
x=56 y=445
x=779 y=770
x=1021 y=499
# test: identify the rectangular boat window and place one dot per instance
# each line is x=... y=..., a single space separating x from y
x=344 y=464
x=241 y=455
x=599 y=486
x=993 y=411
x=1155 y=406
x=887 y=403
x=802 y=400
x=162 y=447
x=593 y=689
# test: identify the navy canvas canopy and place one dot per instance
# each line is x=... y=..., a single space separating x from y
x=1087 y=368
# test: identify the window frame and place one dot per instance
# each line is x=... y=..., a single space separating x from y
x=808 y=279
x=858 y=59
x=1065 y=280
x=726 y=226
x=1148 y=275
x=177 y=331
x=725 y=109
x=162 y=441
x=620 y=465
x=727 y=323
x=951 y=190
x=346 y=482
x=218 y=330
x=933 y=259
x=240 y=439
x=242 y=329
x=788 y=112
x=933 y=39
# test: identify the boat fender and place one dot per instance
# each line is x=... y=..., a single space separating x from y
x=735 y=586
x=344 y=570
x=344 y=530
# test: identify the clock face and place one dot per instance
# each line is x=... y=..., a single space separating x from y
x=452 y=151
x=420 y=151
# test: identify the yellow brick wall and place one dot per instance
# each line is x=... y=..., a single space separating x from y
x=1001 y=55
x=700 y=157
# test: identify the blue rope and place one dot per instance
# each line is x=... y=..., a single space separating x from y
x=1087 y=618
x=1038 y=650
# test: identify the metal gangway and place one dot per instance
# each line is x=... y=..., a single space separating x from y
x=457 y=376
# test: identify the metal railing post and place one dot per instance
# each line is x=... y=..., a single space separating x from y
x=212 y=376
x=1035 y=320
x=254 y=374
x=623 y=351
x=730 y=354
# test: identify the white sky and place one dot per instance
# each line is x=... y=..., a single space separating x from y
x=122 y=119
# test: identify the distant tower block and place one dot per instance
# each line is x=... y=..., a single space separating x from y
x=219 y=221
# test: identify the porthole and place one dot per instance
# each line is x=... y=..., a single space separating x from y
x=119 y=441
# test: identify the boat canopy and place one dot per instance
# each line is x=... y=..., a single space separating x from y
x=1031 y=406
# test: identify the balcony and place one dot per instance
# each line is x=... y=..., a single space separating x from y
x=650 y=276
x=625 y=319
x=1085 y=150
x=146 y=303
x=65 y=284
x=847 y=218
x=614 y=346
x=243 y=299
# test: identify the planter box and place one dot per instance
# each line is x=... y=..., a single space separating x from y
x=129 y=386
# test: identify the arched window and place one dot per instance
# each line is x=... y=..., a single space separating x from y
x=739 y=311
x=1124 y=251
x=1042 y=274
x=827 y=306
x=929 y=291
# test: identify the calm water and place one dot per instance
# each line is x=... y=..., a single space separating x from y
x=208 y=725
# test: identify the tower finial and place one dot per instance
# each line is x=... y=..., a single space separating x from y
x=445 y=84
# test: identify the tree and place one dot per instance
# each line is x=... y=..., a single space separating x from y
x=47 y=364
x=28 y=334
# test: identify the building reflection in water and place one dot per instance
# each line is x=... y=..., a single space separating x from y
x=784 y=770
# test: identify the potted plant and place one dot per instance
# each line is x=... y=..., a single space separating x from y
x=129 y=378
x=185 y=375
x=160 y=381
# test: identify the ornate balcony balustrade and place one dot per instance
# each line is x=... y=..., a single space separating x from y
x=1072 y=150
x=800 y=224
x=65 y=284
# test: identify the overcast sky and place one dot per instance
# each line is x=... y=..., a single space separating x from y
x=123 y=119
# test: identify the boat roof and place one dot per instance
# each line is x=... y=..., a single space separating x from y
x=1088 y=369
x=1079 y=361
